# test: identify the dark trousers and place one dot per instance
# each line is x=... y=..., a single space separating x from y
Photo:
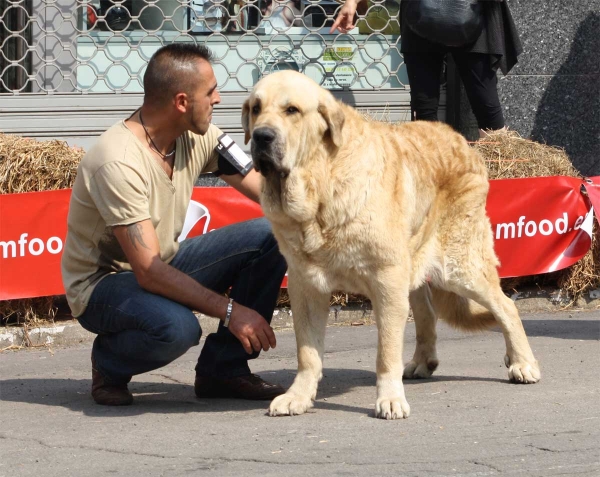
x=139 y=331
x=480 y=81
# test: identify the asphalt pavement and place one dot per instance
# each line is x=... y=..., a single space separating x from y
x=468 y=420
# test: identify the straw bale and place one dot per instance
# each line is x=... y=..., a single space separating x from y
x=509 y=156
x=28 y=311
x=337 y=298
x=27 y=165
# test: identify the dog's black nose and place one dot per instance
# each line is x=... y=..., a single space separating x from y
x=263 y=135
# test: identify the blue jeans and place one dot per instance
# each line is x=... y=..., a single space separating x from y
x=139 y=331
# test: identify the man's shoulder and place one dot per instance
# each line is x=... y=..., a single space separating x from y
x=116 y=145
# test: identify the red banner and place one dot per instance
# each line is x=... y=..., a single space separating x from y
x=539 y=225
x=33 y=227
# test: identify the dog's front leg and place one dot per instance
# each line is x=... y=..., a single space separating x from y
x=390 y=304
x=310 y=309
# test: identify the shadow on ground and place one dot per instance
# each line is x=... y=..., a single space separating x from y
x=176 y=398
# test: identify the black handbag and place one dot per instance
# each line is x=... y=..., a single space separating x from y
x=448 y=22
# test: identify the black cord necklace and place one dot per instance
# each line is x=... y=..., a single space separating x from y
x=164 y=156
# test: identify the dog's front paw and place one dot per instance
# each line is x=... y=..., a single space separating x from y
x=420 y=370
x=392 y=408
x=289 y=404
x=523 y=372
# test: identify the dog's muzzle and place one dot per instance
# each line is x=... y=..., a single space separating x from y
x=267 y=152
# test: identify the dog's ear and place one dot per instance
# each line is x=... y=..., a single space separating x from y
x=333 y=114
x=246 y=120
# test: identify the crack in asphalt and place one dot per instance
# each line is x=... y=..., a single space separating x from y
x=101 y=449
x=489 y=466
x=545 y=449
x=214 y=461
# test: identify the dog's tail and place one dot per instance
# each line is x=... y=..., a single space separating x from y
x=461 y=312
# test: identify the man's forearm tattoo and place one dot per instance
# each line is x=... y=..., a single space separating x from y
x=135 y=234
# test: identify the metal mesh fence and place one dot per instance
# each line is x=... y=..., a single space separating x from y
x=103 y=46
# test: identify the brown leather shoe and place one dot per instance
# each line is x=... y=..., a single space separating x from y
x=107 y=393
x=242 y=387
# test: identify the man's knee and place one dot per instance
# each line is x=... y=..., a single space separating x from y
x=270 y=248
x=180 y=333
x=262 y=230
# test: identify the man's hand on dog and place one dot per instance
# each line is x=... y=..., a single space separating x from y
x=251 y=329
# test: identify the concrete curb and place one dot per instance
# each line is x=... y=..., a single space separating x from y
x=70 y=332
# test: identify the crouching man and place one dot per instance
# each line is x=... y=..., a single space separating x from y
x=127 y=277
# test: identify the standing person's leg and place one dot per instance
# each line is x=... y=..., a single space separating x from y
x=481 y=86
x=245 y=257
x=424 y=75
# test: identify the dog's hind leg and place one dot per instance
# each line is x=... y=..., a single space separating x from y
x=424 y=361
x=390 y=305
x=310 y=309
x=519 y=359
x=482 y=285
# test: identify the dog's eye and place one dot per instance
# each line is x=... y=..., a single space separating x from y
x=292 y=110
x=255 y=109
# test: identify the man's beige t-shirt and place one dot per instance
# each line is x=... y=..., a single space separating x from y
x=119 y=182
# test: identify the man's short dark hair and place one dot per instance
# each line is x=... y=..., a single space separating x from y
x=172 y=70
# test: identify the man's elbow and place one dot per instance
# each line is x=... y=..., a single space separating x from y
x=148 y=278
x=146 y=281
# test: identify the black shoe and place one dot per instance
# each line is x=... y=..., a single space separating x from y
x=108 y=393
x=250 y=387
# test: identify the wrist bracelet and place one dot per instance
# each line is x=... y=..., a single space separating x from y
x=228 y=313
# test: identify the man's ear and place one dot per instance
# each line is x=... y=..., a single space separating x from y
x=333 y=114
x=181 y=102
x=246 y=120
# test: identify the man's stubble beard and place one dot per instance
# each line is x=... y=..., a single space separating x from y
x=199 y=129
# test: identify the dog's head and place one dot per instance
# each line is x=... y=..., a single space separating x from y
x=288 y=117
